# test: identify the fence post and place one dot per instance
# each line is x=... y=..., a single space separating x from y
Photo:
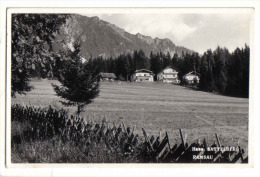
x=147 y=140
x=168 y=141
x=124 y=128
x=182 y=140
x=218 y=143
x=133 y=129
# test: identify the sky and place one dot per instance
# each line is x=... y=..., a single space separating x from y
x=198 y=32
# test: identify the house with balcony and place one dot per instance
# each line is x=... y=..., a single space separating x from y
x=168 y=75
x=142 y=75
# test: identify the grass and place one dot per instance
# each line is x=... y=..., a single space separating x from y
x=157 y=106
x=56 y=150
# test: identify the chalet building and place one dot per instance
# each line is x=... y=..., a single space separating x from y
x=107 y=76
x=142 y=75
x=168 y=75
x=191 y=78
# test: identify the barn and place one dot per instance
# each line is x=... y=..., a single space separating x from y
x=107 y=76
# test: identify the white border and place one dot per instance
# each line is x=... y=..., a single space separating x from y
x=133 y=169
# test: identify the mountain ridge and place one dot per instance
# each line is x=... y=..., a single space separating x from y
x=100 y=38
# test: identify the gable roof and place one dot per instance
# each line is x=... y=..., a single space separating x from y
x=108 y=75
x=143 y=71
x=192 y=72
x=169 y=67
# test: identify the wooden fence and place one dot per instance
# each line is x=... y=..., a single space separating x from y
x=46 y=123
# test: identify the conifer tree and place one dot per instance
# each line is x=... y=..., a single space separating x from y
x=175 y=59
x=79 y=82
x=167 y=60
x=156 y=64
x=204 y=70
x=141 y=60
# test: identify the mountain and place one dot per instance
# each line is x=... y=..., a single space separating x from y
x=100 y=38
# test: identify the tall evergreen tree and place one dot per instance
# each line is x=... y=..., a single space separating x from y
x=204 y=71
x=127 y=66
x=167 y=60
x=245 y=71
x=120 y=66
x=79 y=83
x=219 y=69
x=175 y=60
x=141 y=60
x=211 y=63
x=155 y=64
x=112 y=66
x=238 y=72
x=132 y=67
x=196 y=62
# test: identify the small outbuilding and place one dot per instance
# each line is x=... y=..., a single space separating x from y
x=191 y=78
x=107 y=76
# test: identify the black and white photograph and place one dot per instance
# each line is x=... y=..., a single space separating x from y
x=128 y=86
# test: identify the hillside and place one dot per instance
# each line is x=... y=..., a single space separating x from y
x=100 y=38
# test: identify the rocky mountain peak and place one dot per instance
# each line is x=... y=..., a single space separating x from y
x=100 y=38
x=94 y=19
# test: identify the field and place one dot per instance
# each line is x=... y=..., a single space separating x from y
x=158 y=107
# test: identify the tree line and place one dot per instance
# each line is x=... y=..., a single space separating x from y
x=220 y=71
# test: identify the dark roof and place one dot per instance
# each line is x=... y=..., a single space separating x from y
x=192 y=73
x=108 y=75
x=144 y=71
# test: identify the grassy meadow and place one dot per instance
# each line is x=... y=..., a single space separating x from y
x=158 y=107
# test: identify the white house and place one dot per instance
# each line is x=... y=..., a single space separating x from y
x=191 y=78
x=142 y=75
x=168 y=75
